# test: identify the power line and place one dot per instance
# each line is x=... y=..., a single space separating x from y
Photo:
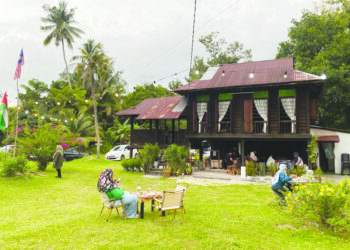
x=185 y=38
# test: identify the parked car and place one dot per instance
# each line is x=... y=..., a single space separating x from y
x=72 y=154
x=120 y=152
x=7 y=148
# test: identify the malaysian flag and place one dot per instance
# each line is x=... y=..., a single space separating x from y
x=19 y=66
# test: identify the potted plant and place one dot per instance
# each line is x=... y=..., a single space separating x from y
x=311 y=148
x=262 y=172
x=167 y=172
x=189 y=169
x=149 y=154
x=273 y=169
x=318 y=174
x=176 y=158
x=251 y=170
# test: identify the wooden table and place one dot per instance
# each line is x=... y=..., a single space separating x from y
x=144 y=196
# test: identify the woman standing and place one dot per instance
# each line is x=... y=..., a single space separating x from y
x=111 y=187
x=58 y=160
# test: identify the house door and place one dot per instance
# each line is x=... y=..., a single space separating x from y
x=248 y=115
x=326 y=156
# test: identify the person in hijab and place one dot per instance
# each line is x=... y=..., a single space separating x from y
x=111 y=187
x=297 y=160
x=58 y=160
x=280 y=181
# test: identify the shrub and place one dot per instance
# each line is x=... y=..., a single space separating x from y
x=149 y=153
x=125 y=164
x=325 y=203
x=273 y=168
x=299 y=170
x=262 y=170
x=251 y=169
x=12 y=166
x=318 y=172
x=176 y=158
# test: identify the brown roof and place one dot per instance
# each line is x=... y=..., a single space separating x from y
x=265 y=72
x=157 y=108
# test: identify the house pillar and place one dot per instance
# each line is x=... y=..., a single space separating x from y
x=131 y=136
x=157 y=131
x=178 y=131
x=242 y=152
x=173 y=131
x=150 y=124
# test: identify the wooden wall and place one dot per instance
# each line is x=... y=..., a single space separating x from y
x=302 y=110
x=274 y=111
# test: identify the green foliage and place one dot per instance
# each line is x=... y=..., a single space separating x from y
x=262 y=170
x=177 y=157
x=149 y=153
x=41 y=142
x=133 y=164
x=273 y=168
x=251 y=168
x=328 y=204
x=320 y=43
x=219 y=52
x=143 y=92
x=318 y=172
x=12 y=166
x=311 y=148
x=298 y=170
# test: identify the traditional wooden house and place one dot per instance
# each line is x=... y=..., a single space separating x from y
x=265 y=106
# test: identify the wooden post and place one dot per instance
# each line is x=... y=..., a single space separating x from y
x=178 y=131
x=173 y=131
x=157 y=131
x=242 y=152
x=150 y=124
x=131 y=136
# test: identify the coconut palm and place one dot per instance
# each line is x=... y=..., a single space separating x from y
x=92 y=59
x=60 y=21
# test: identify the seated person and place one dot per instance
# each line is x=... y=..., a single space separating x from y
x=228 y=159
x=111 y=187
x=253 y=156
x=297 y=160
x=281 y=181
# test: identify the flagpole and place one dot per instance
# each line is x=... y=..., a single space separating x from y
x=14 y=150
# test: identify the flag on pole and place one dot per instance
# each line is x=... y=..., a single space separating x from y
x=19 y=66
x=3 y=113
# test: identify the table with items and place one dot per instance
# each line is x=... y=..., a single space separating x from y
x=147 y=196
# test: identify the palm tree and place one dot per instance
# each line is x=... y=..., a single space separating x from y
x=92 y=59
x=60 y=20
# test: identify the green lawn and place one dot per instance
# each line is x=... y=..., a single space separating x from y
x=49 y=213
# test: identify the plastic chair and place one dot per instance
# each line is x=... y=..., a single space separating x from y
x=110 y=204
x=345 y=162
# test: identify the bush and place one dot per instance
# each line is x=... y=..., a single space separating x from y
x=176 y=157
x=149 y=153
x=262 y=170
x=13 y=166
x=299 y=170
x=125 y=164
x=251 y=168
x=273 y=168
x=328 y=204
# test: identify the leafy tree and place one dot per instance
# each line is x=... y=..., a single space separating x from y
x=143 y=92
x=320 y=43
x=219 y=52
x=82 y=124
x=60 y=20
x=174 y=84
x=92 y=59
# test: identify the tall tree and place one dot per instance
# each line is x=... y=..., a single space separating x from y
x=60 y=20
x=320 y=43
x=92 y=59
x=219 y=52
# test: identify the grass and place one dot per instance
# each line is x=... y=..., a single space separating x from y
x=48 y=213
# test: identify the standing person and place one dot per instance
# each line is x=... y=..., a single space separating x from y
x=58 y=160
x=280 y=181
x=111 y=187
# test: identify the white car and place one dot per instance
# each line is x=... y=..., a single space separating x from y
x=120 y=152
x=7 y=148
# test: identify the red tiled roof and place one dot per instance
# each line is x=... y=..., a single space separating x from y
x=328 y=138
x=157 y=108
x=265 y=72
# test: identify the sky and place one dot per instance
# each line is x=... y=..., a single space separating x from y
x=148 y=40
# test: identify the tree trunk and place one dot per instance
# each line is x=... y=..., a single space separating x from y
x=65 y=61
x=97 y=135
